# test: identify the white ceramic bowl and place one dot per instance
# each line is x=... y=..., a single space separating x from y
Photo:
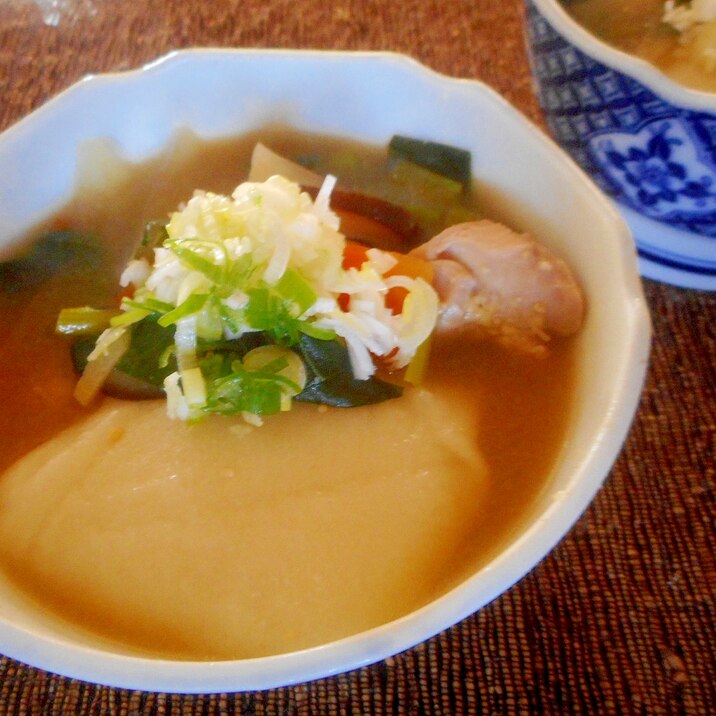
x=647 y=141
x=368 y=96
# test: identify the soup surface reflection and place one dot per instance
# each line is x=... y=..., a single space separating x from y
x=219 y=540
x=636 y=27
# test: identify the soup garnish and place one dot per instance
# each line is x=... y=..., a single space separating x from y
x=239 y=304
x=258 y=292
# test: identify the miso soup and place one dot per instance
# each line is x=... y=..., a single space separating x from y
x=638 y=27
x=220 y=540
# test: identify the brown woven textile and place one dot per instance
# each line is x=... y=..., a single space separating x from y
x=619 y=619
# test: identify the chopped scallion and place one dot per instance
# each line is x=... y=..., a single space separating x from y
x=193 y=304
x=215 y=272
x=127 y=318
x=292 y=287
x=148 y=303
x=322 y=334
x=83 y=321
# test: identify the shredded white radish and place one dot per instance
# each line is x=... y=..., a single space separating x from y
x=265 y=164
x=177 y=404
x=274 y=227
x=136 y=273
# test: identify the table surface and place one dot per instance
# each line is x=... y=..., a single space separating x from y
x=619 y=618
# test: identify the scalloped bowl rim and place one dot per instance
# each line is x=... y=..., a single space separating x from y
x=511 y=564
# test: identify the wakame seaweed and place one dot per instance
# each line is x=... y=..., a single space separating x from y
x=330 y=378
x=55 y=252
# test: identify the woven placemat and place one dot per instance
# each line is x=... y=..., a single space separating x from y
x=619 y=619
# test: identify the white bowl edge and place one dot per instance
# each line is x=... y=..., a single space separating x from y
x=520 y=557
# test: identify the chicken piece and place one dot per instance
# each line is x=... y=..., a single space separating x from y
x=494 y=282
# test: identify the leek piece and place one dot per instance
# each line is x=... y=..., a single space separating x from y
x=293 y=287
x=294 y=371
x=266 y=311
x=322 y=334
x=127 y=318
x=209 y=323
x=194 y=303
x=193 y=387
x=185 y=341
x=83 y=321
x=231 y=318
x=227 y=275
x=166 y=355
x=148 y=303
x=418 y=367
x=102 y=361
x=216 y=273
x=252 y=392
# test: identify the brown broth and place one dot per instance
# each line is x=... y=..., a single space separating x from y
x=636 y=27
x=521 y=405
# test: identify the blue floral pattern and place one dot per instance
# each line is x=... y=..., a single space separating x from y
x=655 y=158
x=651 y=168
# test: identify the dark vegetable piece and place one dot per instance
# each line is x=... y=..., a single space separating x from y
x=127 y=387
x=233 y=349
x=330 y=377
x=80 y=350
x=150 y=342
x=118 y=384
x=443 y=159
x=138 y=375
x=369 y=232
x=55 y=252
x=155 y=234
x=397 y=219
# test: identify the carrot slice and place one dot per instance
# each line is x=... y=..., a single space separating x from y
x=355 y=255
x=411 y=266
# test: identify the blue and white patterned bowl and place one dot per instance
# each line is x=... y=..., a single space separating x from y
x=648 y=142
